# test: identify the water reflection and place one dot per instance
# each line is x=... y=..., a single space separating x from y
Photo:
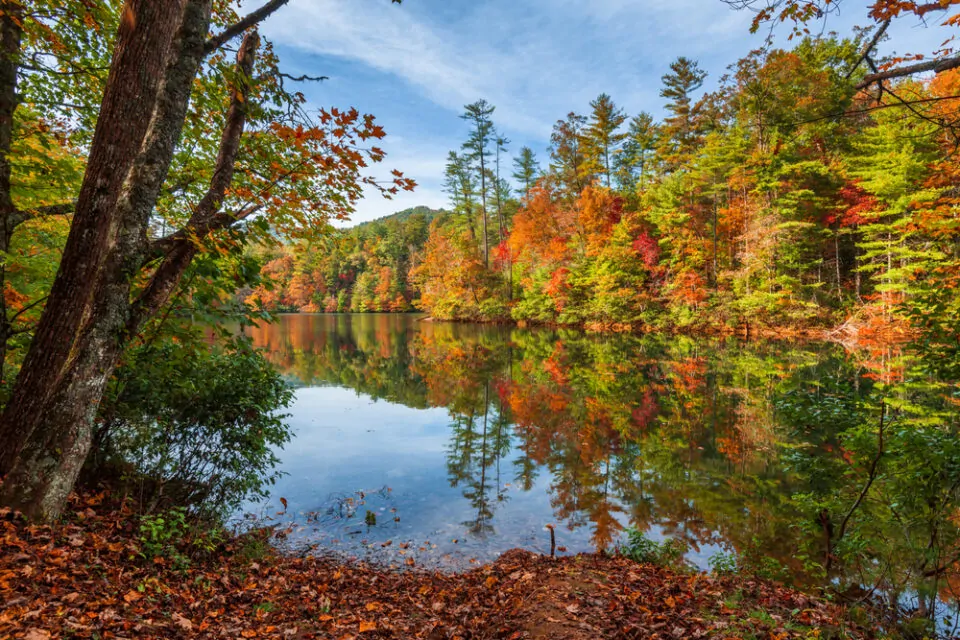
x=758 y=450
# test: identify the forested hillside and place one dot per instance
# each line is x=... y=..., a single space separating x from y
x=363 y=268
x=791 y=194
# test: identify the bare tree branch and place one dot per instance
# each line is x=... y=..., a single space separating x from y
x=869 y=47
x=26 y=308
x=872 y=474
x=303 y=78
x=236 y=29
x=937 y=66
x=16 y=217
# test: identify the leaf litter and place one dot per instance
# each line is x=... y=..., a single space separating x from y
x=87 y=578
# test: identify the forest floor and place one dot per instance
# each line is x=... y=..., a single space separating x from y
x=89 y=577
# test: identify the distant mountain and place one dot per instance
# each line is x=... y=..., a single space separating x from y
x=401 y=216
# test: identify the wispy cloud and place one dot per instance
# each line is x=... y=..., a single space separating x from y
x=419 y=63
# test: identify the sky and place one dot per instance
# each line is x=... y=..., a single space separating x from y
x=415 y=65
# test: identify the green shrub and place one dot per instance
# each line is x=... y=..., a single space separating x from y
x=171 y=535
x=723 y=564
x=160 y=535
x=640 y=548
x=196 y=426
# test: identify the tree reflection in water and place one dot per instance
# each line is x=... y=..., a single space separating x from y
x=762 y=449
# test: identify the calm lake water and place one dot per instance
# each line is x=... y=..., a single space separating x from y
x=446 y=444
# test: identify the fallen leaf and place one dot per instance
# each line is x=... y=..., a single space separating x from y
x=367 y=626
x=183 y=623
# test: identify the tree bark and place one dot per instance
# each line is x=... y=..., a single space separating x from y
x=138 y=60
x=47 y=426
x=11 y=33
x=937 y=66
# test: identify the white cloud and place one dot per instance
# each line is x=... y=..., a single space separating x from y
x=535 y=60
x=449 y=71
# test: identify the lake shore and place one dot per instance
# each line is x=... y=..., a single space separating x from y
x=851 y=332
x=91 y=576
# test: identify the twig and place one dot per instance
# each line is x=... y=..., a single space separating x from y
x=872 y=474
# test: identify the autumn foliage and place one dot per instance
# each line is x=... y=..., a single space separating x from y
x=91 y=578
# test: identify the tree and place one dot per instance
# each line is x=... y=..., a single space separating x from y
x=112 y=277
x=640 y=142
x=477 y=148
x=680 y=128
x=49 y=60
x=568 y=155
x=501 y=143
x=526 y=169
x=601 y=138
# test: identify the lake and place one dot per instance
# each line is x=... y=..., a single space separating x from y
x=443 y=445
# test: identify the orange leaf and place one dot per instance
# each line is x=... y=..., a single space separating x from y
x=367 y=626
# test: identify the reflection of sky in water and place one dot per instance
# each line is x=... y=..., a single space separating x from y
x=681 y=436
x=345 y=442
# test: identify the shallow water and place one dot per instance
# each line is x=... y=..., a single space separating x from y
x=444 y=445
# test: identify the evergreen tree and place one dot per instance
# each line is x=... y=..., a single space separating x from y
x=477 y=148
x=635 y=160
x=526 y=169
x=602 y=137
x=501 y=144
x=568 y=155
x=680 y=128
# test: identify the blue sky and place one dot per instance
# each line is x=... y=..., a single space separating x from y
x=415 y=65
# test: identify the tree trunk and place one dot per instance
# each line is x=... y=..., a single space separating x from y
x=483 y=207
x=10 y=36
x=47 y=426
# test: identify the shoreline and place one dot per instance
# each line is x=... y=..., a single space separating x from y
x=89 y=577
x=847 y=333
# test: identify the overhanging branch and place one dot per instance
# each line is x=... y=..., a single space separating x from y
x=236 y=29
x=180 y=248
x=937 y=66
x=869 y=47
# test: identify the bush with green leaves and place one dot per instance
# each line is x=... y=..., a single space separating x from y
x=195 y=424
x=639 y=548
x=160 y=534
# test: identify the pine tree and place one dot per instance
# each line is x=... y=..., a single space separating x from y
x=477 y=148
x=602 y=139
x=501 y=144
x=635 y=160
x=680 y=128
x=526 y=169
x=567 y=154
